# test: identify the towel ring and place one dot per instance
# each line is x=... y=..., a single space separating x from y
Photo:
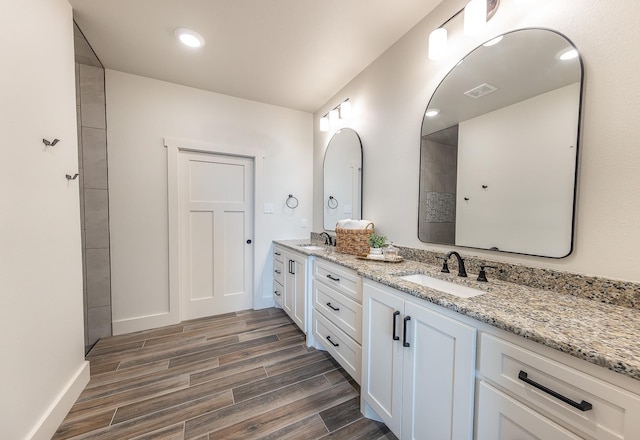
x=292 y=202
x=332 y=203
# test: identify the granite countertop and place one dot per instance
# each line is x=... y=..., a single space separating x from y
x=603 y=334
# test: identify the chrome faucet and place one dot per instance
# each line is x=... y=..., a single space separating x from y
x=462 y=272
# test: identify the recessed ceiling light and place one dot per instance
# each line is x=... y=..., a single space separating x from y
x=189 y=38
x=432 y=112
x=493 y=42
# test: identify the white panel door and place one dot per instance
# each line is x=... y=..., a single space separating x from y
x=216 y=232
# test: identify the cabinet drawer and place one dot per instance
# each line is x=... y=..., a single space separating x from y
x=278 y=272
x=340 y=278
x=278 y=292
x=277 y=254
x=614 y=412
x=339 y=345
x=501 y=417
x=343 y=312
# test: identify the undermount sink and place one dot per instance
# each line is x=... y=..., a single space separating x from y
x=312 y=247
x=443 y=286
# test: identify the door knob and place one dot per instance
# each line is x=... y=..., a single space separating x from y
x=249 y=241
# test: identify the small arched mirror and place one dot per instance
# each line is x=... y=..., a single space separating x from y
x=342 y=178
x=499 y=147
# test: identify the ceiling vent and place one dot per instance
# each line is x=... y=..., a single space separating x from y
x=481 y=90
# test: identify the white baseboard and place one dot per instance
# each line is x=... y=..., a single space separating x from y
x=129 y=325
x=55 y=414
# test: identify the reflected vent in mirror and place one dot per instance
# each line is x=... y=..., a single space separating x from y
x=480 y=91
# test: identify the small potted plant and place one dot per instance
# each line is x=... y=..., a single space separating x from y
x=376 y=243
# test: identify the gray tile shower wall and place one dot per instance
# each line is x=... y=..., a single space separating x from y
x=94 y=190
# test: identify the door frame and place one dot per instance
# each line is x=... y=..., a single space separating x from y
x=260 y=242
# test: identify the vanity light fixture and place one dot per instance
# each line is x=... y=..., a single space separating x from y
x=341 y=111
x=345 y=109
x=189 y=37
x=437 y=43
x=324 y=123
x=475 y=17
x=476 y=14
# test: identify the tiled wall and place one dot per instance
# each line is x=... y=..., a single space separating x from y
x=94 y=190
x=438 y=177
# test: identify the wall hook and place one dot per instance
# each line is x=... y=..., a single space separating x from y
x=50 y=144
x=467 y=199
x=484 y=186
x=70 y=177
x=292 y=202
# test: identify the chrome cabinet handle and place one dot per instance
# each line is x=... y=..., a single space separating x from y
x=582 y=406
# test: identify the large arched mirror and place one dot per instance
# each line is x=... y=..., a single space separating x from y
x=499 y=147
x=342 y=178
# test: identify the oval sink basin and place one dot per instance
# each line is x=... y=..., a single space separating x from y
x=312 y=247
x=443 y=286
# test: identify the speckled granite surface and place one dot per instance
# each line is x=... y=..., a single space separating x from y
x=599 y=332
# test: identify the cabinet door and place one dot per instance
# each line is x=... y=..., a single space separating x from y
x=382 y=355
x=299 y=268
x=502 y=418
x=438 y=379
x=289 y=287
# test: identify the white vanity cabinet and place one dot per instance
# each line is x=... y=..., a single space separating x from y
x=418 y=366
x=524 y=391
x=291 y=279
x=337 y=314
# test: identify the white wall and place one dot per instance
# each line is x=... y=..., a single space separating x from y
x=140 y=113
x=529 y=183
x=41 y=321
x=390 y=96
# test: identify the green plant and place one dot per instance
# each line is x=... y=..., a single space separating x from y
x=377 y=241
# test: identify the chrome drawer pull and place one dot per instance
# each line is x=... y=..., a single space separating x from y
x=333 y=308
x=332 y=343
x=333 y=278
x=582 y=406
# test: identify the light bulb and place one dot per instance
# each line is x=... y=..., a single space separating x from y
x=345 y=110
x=189 y=38
x=437 y=44
x=475 y=16
x=324 y=123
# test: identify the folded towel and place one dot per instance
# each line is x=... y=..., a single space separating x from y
x=353 y=224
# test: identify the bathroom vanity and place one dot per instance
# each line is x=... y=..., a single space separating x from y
x=511 y=362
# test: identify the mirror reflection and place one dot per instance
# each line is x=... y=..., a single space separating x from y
x=342 y=178
x=499 y=147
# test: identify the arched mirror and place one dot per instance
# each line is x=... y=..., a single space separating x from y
x=342 y=178
x=499 y=147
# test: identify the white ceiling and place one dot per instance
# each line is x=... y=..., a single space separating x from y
x=290 y=53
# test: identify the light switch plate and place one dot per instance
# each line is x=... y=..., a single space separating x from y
x=268 y=208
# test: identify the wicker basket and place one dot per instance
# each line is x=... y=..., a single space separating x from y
x=353 y=241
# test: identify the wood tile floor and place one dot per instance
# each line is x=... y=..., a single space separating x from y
x=244 y=375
